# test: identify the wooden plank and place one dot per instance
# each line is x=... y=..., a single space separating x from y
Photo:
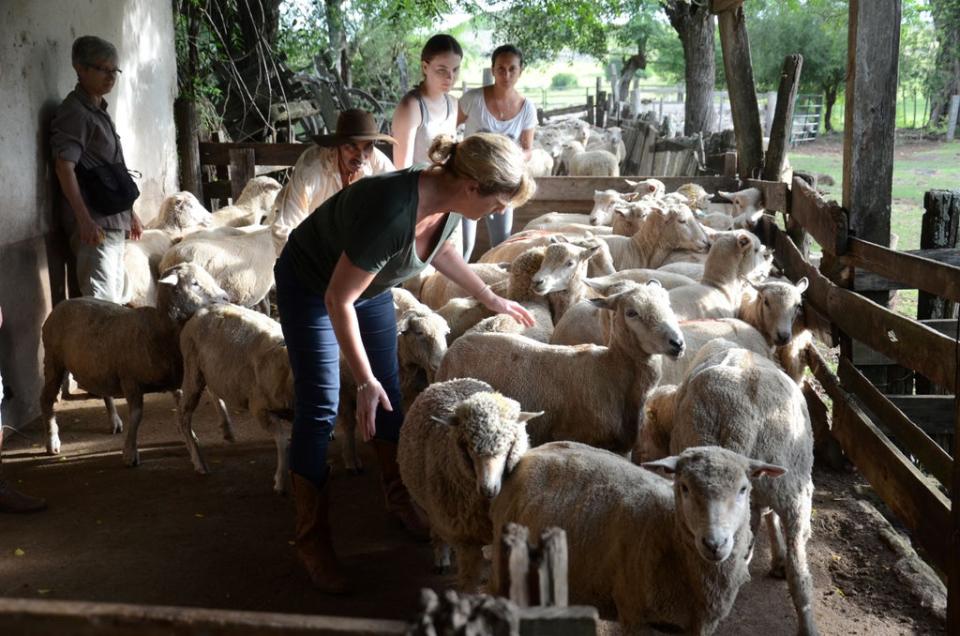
x=865 y=356
x=953 y=573
x=906 y=341
x=243 y=167
x=904 y=426
x=566 y=110
x=789 y=259
x=188 y=146
x=578 y=620
x=515 y=564
x=868 y=281
x=647 y=151
x=582 y=188
x=932 y=413
x=783 y=117
x=870 y=117
x=28 y=617
x=922 y=508
x=264 y=154
x=910 y=269
x=553 y=547
x=740 y=86
x=824 y=220
x=776 y=194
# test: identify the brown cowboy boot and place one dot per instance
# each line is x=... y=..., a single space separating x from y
x=12 y=500
x=395 y=493
x=312 y=538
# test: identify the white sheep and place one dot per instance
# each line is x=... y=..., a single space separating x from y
x=660 y=234
x=744 y=201
x=628 y=217
x=590 y=393
x=116 y=351
x=594 y=163
x=609 y=139
x=240 y=356
x=568 y=151
x=745 y=403
x=238 y=260
x=141 y=268
x=718 y=294
x=540 y=163
x=604 y=202
x=437 y=290
x=757 y=268
x=252 y=206
x=557 y=218
x=664 y=556
x=649 y=188
x=458 y=442
x=601 y=263
x=181 y=213
x=775 y=309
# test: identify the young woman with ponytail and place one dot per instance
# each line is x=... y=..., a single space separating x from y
x=333 y=293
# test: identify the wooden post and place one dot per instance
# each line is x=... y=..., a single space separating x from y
x=953 y=576
x=514 y=564
x=188 y=146
x=769 y=111
x=553 y=571
x=740 y=87
x=601 y=117
x=590 y=113
x=952 y=117
x=242 y=168
x=783 y=119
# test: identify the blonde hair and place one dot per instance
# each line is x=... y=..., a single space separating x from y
x=493 y=161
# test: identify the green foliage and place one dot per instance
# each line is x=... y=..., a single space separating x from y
x=561 y=81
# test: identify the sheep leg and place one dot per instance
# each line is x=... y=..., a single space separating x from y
x=796 y=526
x=134 y=396
x=116 y=424
x=469 y=567
x=53 y=375
x=193 y=385
x=226 y=422
x=777 y=546
x=280 y=430
x=264 y=305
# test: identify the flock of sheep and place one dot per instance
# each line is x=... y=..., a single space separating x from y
x=663 y=419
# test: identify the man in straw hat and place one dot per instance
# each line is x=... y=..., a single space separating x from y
x=323 y=170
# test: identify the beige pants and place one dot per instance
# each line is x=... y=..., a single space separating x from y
x=100 y=267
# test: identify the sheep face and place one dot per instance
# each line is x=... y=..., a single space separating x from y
x=712 y=493
x=650 y=188
x=645 y=312
x=656 y=423
x=779 y=306
x=187 y=287
x=681 y=229
x=491 y=436
x=696 y=197
x=603 y=203
x=182 y=211
x=744 y=201
x=627 y=218
x=561 y=263
x=422 y=340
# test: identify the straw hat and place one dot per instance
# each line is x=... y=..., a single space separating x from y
x=354 y=124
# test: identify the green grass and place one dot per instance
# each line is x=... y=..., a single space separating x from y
x=917 y=168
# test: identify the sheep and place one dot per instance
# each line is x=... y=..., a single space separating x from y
x=459 y=440
x=604 y=202
x=540 y=163
x=757 y=269
x=115 y=351
x=590 y=393
x=141 y=266
x=557 y=218
x=239 y=261
x=601 y=263
x=649 y=188
x=594 y=163
x=628 y=217
x=695 y=196
x=673 y=556
x=775 y=309
x=718 y=293
x=437 y=289
x=744 y=201
x=743 y=402
x=660 y=233
x=568 y=151
x=609 y=139
x=239 y=355
x=561 y=275
x=181 y=213
x=254 y=203
x=462 y=314
x=668 y=280
x=573 y=229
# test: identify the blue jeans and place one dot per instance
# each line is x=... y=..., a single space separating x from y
x=498 y=228
x=315 y=362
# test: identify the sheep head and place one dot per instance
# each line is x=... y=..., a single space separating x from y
x=642 y=314
x=491 y=434
x=181 y=212
x=711 y=489
x=562 y=262
x=603 y=203
x=681 y=230
x=185 y=288
x=778 y=305
x=422 y=340
x=262 y=191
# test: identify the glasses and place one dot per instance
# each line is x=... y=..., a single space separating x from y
x=113 y=72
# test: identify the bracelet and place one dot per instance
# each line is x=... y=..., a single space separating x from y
x=482 y=291
x=361 y=387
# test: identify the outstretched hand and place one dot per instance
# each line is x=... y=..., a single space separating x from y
x=515 y=310
x=370 y=395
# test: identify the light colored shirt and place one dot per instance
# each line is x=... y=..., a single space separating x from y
x=479 y=119
x=316 y=177
x=430 y=128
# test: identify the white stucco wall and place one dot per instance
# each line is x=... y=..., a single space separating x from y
x=35 y=75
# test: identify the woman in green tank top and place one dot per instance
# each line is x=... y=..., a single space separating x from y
x=333 y=293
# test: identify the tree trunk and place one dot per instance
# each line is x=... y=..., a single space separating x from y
x=337 y=36
x=696 y=28
x=631 y=65
x=830 y=99
x=946 y=21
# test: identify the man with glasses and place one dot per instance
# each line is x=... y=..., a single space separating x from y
x=83 y=135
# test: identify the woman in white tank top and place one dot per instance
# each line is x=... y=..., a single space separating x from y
x=428 y=110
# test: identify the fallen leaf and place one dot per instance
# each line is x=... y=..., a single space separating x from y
x=198 y=515
x=44 y=590
x=18 y=552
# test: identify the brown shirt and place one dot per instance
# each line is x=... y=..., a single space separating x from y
x=83 y=133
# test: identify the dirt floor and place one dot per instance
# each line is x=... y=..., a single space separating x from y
x=161 y=534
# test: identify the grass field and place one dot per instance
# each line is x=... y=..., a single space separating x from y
x=917 y=167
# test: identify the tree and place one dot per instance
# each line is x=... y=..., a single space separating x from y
x=696 y=27
x=945 y=76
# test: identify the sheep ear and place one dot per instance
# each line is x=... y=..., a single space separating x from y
x=759 y=469
x=603 y=303
x=588 y=252
x=655 y=283
x=632 y=184
x=403 y=324
x=526 y=416
x=554 y=239
x=728 y=196
x=802 y=284
x=666 y=466
x=450 y=420
x=743 y=240
x=171 y=278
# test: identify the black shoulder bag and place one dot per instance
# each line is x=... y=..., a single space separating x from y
x=108 y=189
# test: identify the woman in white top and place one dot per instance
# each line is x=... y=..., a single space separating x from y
x=499 y=109
x=428 y=110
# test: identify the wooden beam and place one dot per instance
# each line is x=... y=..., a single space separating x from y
x=932 y=413
x=873 y=47
x=36 y=617
x=243 y=167
x=824 y=220
x=188 y=146
x=515 y=564
x=906 y=429
x=783 y=117
x=264 y=154
x=582 y=188
x=915 y=272
x=868 y=281
x=788 y=257
x=578 y=620
x=953 y=571
x=743 y=95
x=776 y=194
x=865 y=356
